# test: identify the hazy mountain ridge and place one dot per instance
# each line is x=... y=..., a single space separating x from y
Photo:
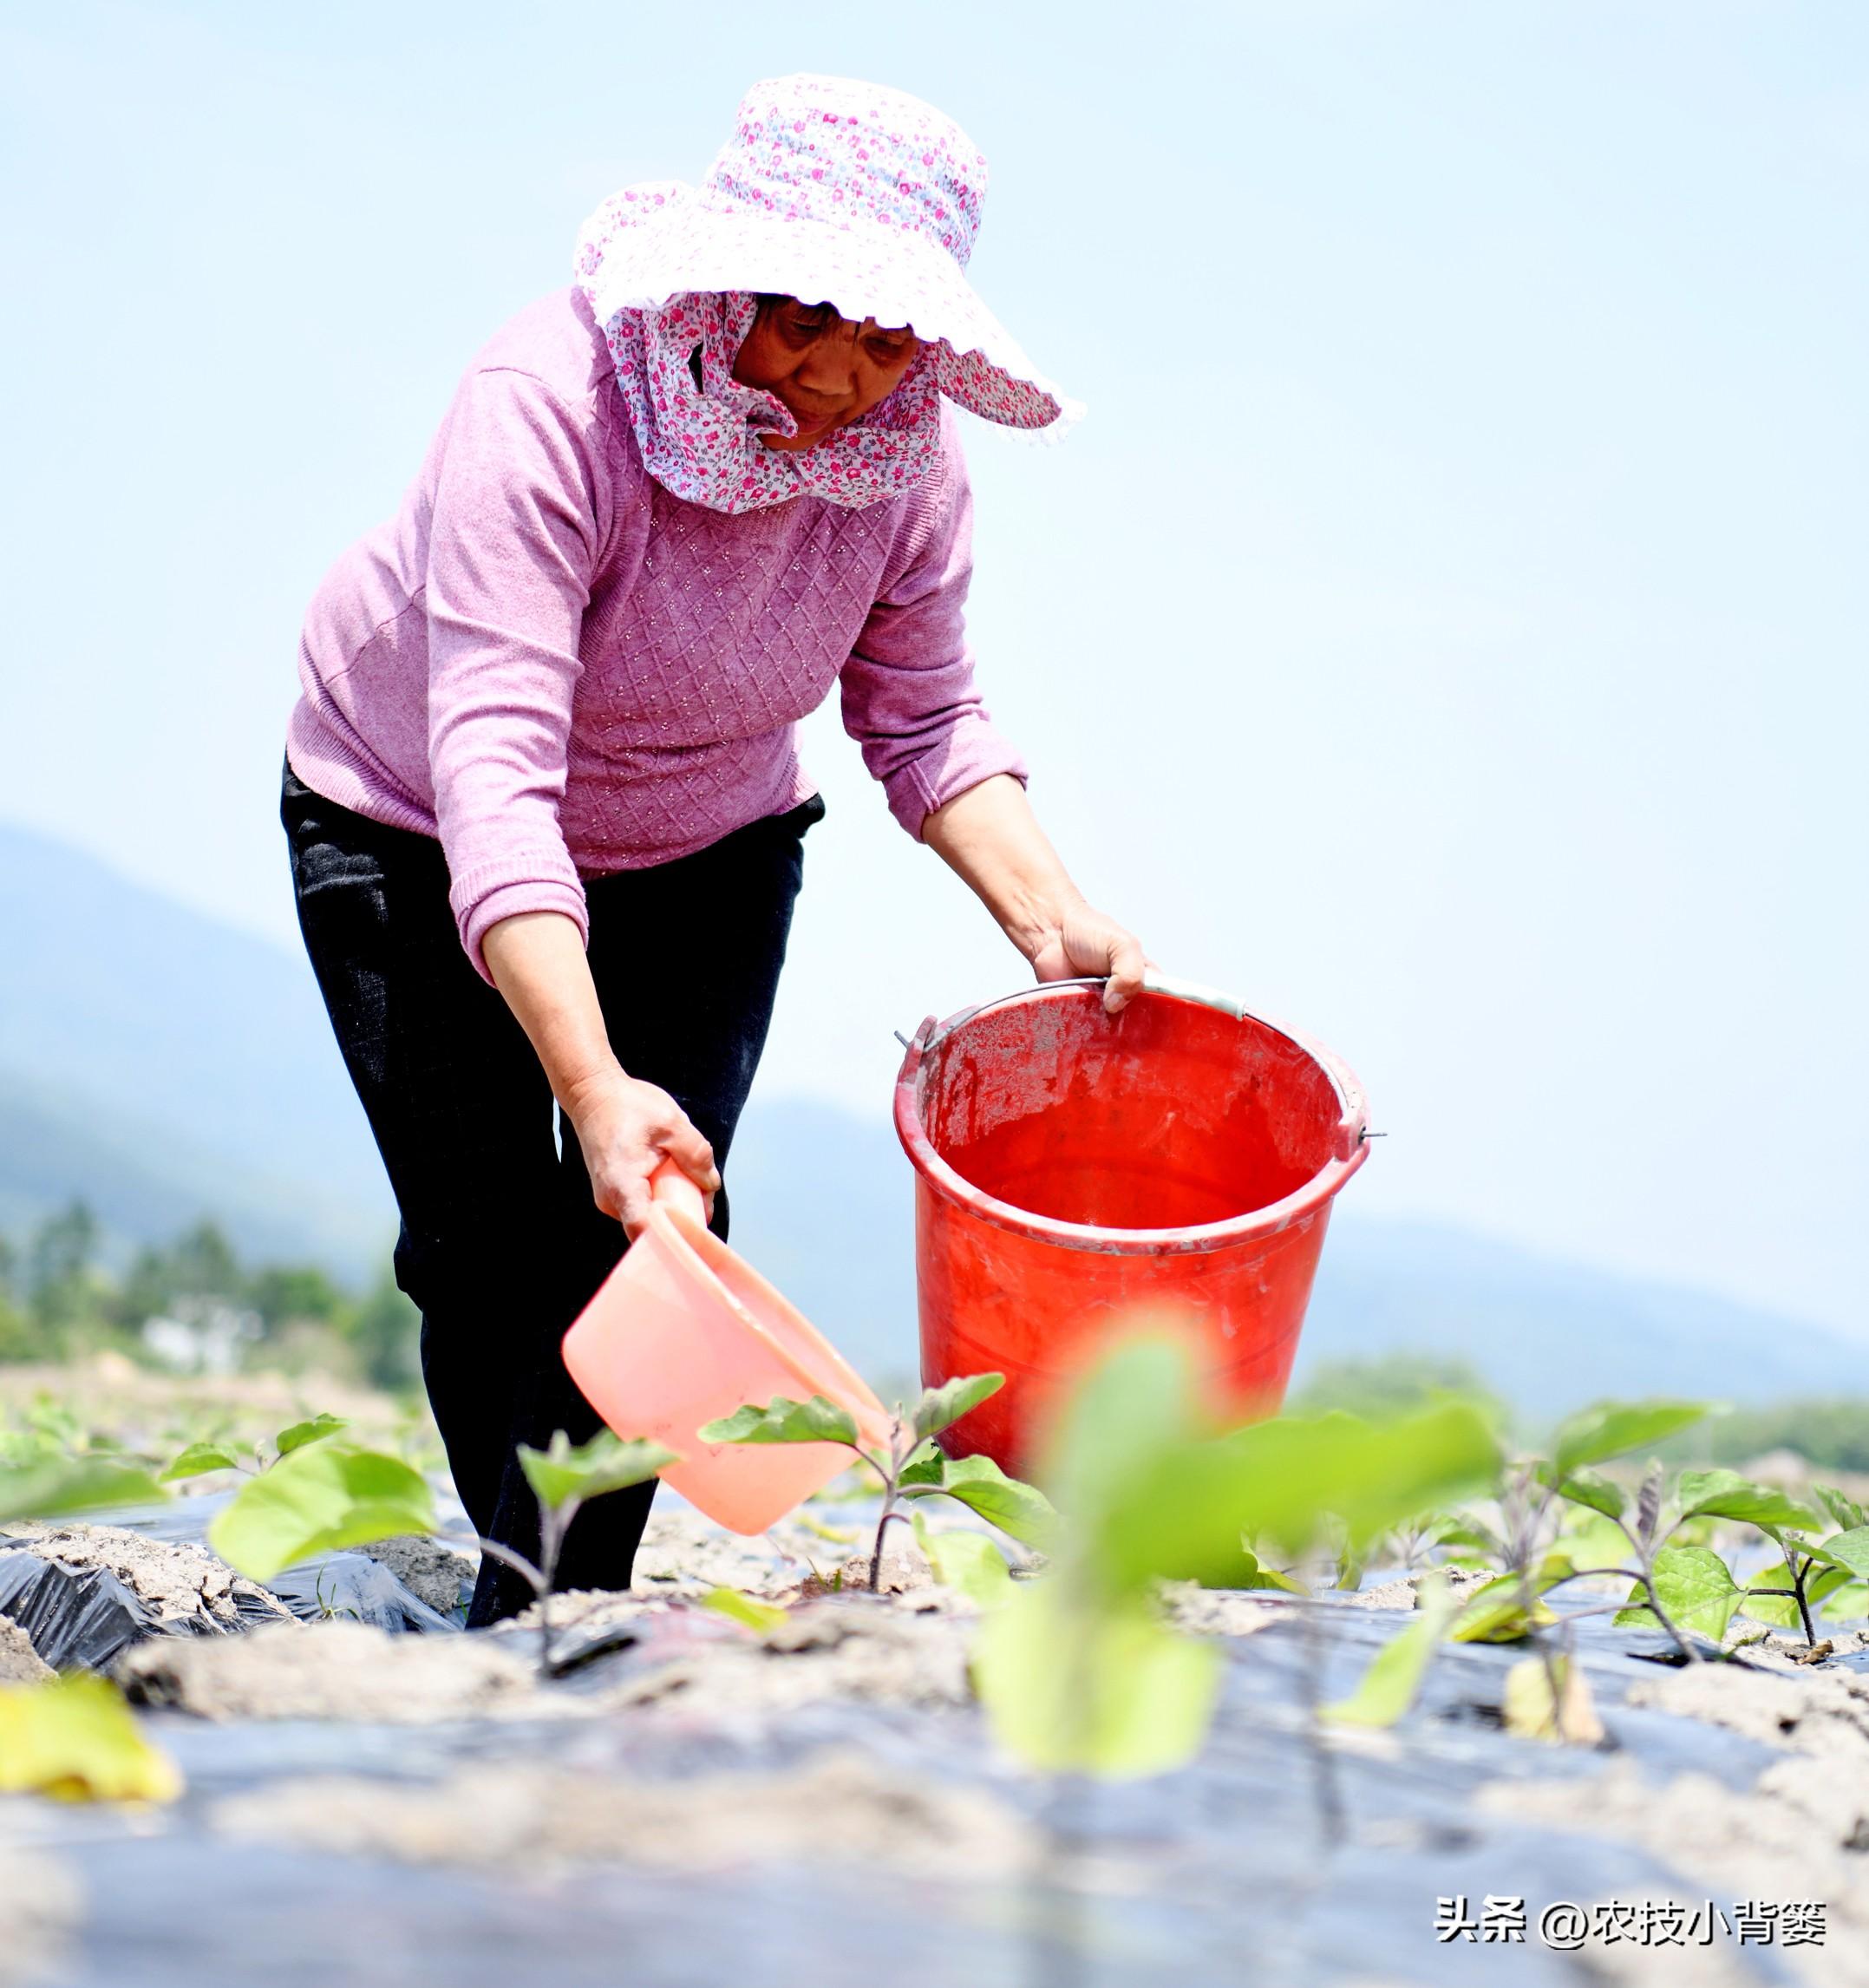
x=198 y=1055
x=145 y=1183
x=1547 y=1334
x=165 y=1066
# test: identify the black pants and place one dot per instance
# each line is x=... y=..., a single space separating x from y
x=501 y=1245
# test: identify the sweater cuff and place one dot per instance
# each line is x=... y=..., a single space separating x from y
x=969 y=754
x=476 y=918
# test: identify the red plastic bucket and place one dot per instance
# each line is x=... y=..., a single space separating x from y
x=1071 y=1168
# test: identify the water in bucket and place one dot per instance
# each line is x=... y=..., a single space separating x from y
x=1073 y=1168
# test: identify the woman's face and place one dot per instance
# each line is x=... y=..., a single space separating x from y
x=828 y=370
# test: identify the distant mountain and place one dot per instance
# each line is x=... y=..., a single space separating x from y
x=823 y=1207
x=165 y=1067
x=1549 y=1334
x=148 y=1183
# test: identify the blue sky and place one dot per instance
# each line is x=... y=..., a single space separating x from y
x=1447 y=631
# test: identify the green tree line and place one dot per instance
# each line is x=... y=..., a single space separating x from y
x=59 y=1301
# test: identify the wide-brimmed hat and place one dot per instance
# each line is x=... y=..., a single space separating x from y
x=833 y=192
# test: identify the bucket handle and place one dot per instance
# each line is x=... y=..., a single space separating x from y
x=1154 y=982
x=928 y=1037
x=1351 y=1127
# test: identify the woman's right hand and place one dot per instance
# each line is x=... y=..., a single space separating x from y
x=625 y=1129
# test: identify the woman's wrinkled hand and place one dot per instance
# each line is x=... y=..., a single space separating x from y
x=625 y=1129
x=1087 y=944
x=987 y=835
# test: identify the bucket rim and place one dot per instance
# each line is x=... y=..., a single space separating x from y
x=1350 y=1150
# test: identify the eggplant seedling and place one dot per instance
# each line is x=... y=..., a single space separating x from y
x=1078 y=1672
x=201 y=1459
x=911 y=1467
x=319 y=1493
x=1652 y=1538
x=565 y=1478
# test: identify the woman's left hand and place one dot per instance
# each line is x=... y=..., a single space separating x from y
x=1087 y=944
x=989 y=835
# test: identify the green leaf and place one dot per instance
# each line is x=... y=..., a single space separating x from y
x=1139 y=1401
x=1498 y=1613
x=1695 y=1587
x=948 y=1402
x=49 y=1489
x=197 y=1461
x=1843 y=1509
x=925 y=1465
x=564 y=1471
x=316 y=1501
x=21 y=1449
x=967 y=1562
x=1394 y=1677
x=1821 y=1585
x=1464 y=1542
x=1290 y=1474
x=1761 y=1608
x=1113 y=1694
x=301 y=1433
x=1590 y=1488
x=1465 y=1532
x=1184 y=1507
x=1077 y=1670
x=53 y=1420
x=762 y=1615
x=1018 y=1508
x=1614 y=1429
x=1726 y=1494
x=1259 y=1576
x=1849 y=1549
x=1847 y=1603
x=783 y=1420
x=1551 y=1568
x=75 y=1738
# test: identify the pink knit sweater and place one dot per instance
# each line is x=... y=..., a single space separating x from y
x=560 y=669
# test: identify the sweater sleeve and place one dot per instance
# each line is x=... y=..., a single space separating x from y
x=908 y=691
x=512 y=543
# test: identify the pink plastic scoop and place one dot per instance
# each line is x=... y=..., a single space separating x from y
x=682 y=1331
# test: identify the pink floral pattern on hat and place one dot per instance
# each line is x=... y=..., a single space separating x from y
x=835 y=193
x=850 y=155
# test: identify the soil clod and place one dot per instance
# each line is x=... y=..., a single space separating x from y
x=20 y=1664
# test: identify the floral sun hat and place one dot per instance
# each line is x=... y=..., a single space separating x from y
x=832 y=192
